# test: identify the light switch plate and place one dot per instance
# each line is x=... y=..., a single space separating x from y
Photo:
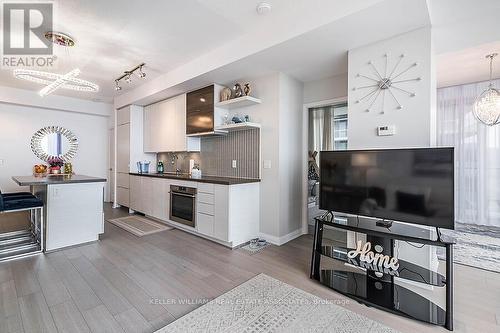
x=267 y=164
x=234 y=164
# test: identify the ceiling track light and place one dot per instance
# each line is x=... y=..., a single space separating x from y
x=117 y=86
x=127 y=75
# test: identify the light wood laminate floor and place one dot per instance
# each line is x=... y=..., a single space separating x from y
x=128 y=284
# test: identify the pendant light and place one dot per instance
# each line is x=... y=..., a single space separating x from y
x=487 y=105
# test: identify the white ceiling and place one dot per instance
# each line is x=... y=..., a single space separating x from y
x=313 y=55
x=115 y=35
x=467 y=65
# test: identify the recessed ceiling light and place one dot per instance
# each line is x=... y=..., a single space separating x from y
x=263 y=8
x=60 y=38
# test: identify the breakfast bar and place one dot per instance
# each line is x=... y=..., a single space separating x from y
x=73 y=211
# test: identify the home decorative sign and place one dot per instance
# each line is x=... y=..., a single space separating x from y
x=374 y=261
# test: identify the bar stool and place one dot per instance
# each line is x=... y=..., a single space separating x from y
x=25 y=201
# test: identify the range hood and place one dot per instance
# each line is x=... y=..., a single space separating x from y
x=203 y=117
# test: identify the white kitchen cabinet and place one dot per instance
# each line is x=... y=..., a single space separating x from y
x=221 y=209
x=228 y=214
x=160 y=200
x=136 y=193
x=165 y=127
x=205 y=224
x=150 y=196
x=123 y=148
x=147 y=195
x=129 y=138
x=122 y=196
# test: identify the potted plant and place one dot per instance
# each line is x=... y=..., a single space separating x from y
x=55 y=164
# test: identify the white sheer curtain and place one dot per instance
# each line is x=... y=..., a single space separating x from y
x=320 y=129
x=477 y=154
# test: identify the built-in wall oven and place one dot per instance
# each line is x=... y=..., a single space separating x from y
x=183 y=205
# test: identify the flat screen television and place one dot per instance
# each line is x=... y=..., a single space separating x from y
x=407 y=185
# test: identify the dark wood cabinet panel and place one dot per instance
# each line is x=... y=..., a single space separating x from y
x=200 y=110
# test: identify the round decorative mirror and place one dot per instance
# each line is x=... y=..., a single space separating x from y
x=54 y=141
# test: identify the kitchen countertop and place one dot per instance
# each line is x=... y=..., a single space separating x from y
x=203 y=179
x=56 y=179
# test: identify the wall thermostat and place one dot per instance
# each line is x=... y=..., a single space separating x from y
x=386 y=130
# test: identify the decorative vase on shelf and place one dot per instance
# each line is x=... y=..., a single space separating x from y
x=247 y=89
x=238 y=92
x=225 y=94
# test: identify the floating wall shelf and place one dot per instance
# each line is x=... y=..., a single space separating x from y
x=239 y=102
x=238 y=126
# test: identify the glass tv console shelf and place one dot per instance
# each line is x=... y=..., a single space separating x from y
x=398 y=286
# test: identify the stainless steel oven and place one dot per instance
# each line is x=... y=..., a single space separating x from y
x=183 y=205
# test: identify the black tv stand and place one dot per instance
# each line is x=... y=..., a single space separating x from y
x=439 y=235
x=376 y=285
x=384 y=223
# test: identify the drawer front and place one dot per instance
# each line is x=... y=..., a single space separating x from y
x=122 y=196
x=205 y=224
x=205 y=188
x=205 y=208
x=123 y=180
x=185 y=183
x=205 y=198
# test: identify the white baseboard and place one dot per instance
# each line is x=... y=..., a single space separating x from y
x=283 y=239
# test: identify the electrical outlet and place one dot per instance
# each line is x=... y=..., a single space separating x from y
x=234 y=164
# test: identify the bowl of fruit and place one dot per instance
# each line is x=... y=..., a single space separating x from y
x=40 y=170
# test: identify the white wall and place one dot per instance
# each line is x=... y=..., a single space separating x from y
x=325 y=89
x=280 y=116
x=267 y=114
x=290 y=154
x=19 y=123
x=414 y=123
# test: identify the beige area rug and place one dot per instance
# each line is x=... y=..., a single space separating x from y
x=264 y=304
x=139 y=225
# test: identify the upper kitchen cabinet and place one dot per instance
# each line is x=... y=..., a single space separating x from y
x=203 y=116
x=165 y=127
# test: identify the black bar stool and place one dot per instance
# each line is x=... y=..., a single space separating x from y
x=25 y=201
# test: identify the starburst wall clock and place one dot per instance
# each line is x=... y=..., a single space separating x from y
x=383 y=89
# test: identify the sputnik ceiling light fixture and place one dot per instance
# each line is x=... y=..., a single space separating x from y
x=127 y=76
x=487 y=105
x=55 y=81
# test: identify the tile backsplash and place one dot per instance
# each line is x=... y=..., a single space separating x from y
x=217 y=155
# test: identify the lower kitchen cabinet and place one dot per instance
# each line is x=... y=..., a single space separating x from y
x=205 y=224
x=228 y=214
x=160 y=200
